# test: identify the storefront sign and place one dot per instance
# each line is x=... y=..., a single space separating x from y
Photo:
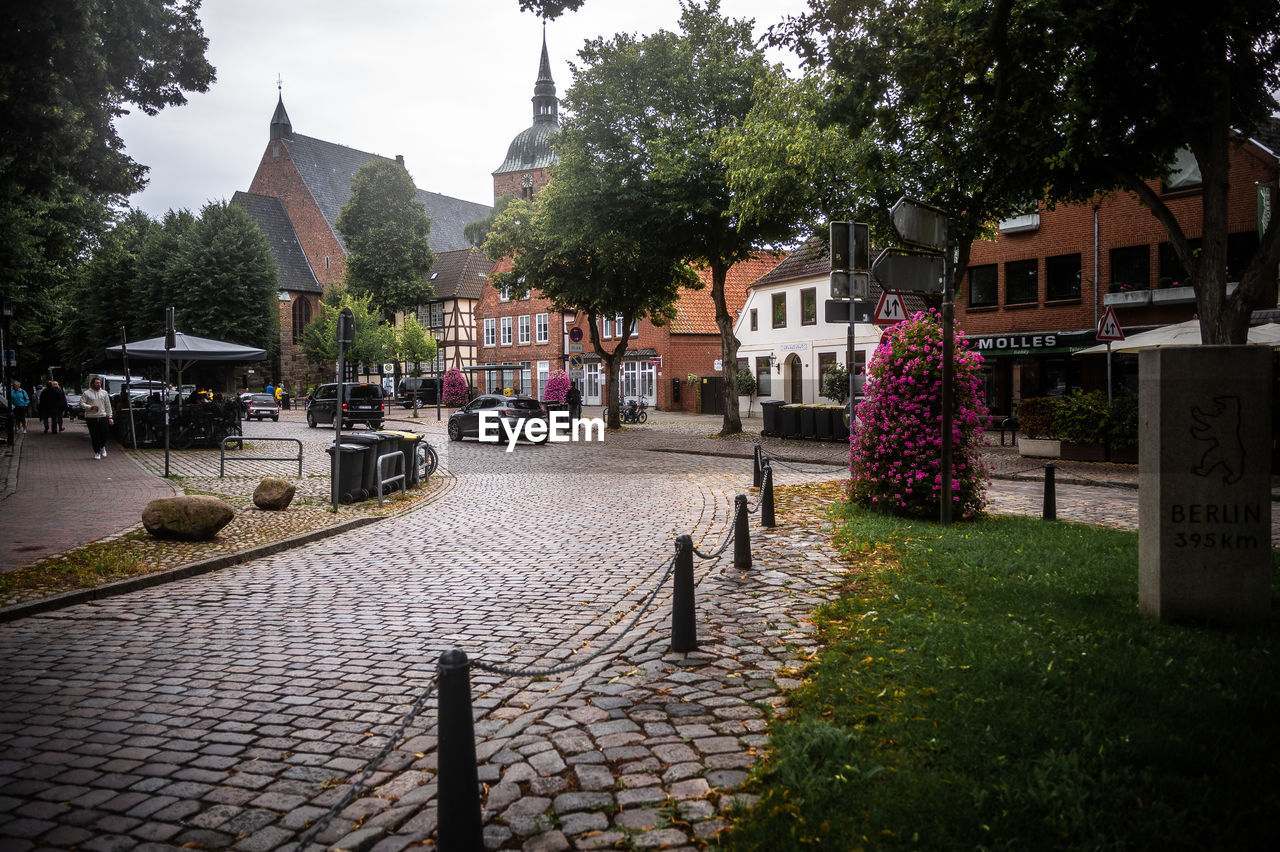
x=793 y=347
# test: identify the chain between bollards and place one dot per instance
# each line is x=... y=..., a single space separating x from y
x=766 y=497
x=757 y=474
x=1050 y=493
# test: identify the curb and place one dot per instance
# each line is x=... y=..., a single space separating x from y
x=191 y=569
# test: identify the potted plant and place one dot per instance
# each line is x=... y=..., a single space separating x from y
x=1037 y=421
x=1082 y=425
x=555 y=390
x=747 y=387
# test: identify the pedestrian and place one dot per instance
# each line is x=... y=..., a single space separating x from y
x=18 y=402
x=53 y=402
x=574 y=400
x=270 y=389
x=279 y=393
x=98 y=416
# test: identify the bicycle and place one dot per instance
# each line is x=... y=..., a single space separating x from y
x=427 y=460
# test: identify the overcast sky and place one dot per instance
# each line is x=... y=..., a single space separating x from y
x=445 y=83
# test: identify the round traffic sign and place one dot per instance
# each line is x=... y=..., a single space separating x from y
x=575 y=360
x=575 y=334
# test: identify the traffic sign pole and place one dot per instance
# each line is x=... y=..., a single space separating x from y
x=948 y=366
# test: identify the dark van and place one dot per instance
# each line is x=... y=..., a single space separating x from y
x=423 y=387
x=361 y=403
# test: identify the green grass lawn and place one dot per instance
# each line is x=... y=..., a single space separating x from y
x=993 y=686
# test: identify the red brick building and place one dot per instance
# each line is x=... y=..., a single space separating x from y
x=1034 y=295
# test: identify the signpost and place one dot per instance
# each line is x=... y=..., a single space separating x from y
x=909 y=270
x=1109 y=330
x=890 y=310
x=346 y=335
x=850 y=279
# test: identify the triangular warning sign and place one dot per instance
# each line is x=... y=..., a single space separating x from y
x=889 y=310
x=1109 y=327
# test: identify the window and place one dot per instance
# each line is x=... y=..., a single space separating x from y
x=1021 y=282
x=779 y=310
x=1172 y=274
x=606 y=328
x=526 y=378
x=809 y=306
x=301 y=316
x=490 y=332
x=1184 y=172
x=1240 y=249
x=982 y=286
x=1062 y=277
x=437 y=314
x=755 y=320
x=542 y=328
x=763 y=386
x=826 y=361
x=504 y=294
x=523 y=329
x=544 y=373
x=1130 y=268
x=617 y=327
x=506 y=331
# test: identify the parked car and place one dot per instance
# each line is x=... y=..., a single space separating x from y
x=261 y=406
x=73 y=407
x=465 y=422
x=361 y=403
x=424 y=387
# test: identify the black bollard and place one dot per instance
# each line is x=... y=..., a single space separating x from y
x=1050 y=493
x=741 y=533
x=459 y=824
x=766 y=498
x=684 y=628
x=757 y=476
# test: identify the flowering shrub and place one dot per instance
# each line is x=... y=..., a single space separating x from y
x=896 y=446
x=456 y=392
x=556 y=388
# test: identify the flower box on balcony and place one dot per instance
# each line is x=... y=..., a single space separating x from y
x=1127 y=298
x=1173 y=295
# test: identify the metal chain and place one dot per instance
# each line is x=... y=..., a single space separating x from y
x=358 y=785
x=724 y=542
x=566 y=667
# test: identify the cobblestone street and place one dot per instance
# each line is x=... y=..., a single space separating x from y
x=235 y=709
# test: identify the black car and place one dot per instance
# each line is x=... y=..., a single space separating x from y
x=465 y=422
x=361 y=403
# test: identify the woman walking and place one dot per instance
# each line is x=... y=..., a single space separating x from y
x=97 y=416
x=18 y=402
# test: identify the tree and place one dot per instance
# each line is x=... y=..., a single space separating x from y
x=385 y=228
x=653 y=109
x=478 y=231
x=373 y=336
x=68 y=69
x=570 y=246
x=155 y=288
x=550 y=9
x=414 y=345
x=224 y=281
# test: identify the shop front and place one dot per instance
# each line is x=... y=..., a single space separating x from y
x=1019 y=365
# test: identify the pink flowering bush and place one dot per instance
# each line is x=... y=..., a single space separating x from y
x=556 y=388
x=896 y=447
x=456 y=392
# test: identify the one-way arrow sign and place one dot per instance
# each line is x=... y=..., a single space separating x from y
x=890 y=310
x=903 y=270
x=1109 y=327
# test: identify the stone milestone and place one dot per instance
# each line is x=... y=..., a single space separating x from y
x=189 y=518
x=273 y=493
x=1204 y=512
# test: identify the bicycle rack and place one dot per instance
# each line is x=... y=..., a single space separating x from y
x=383 y=479
x=239 y=439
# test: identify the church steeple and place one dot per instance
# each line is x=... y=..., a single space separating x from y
x=280 y=126
x=546 y=105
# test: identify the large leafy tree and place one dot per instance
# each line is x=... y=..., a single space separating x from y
x=572 y=246
x=414 y=345
x=373 y=336
x=385 y=228
x=655 y=106
x=981 y=105
x=68 y=69
x=155 y=285
x=224 y=279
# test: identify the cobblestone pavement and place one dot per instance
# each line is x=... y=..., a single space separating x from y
x=233 y=710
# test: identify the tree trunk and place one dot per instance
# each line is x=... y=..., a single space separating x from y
x=612 y=364
x=732 y=422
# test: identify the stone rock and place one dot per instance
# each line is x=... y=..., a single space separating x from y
x=273 y=493
x=188 y=517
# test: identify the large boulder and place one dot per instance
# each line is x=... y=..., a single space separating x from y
x=273 y=493
x=189 y=518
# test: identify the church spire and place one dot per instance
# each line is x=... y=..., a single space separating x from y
x=546 y=105
x=280 y=126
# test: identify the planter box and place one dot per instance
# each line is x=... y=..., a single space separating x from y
x=1173 y=295
x=1127 y=455
x=1127 y=299
x=1040 y=448
x=1084 y=452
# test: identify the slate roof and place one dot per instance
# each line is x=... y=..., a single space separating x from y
x=291 y=262
x=459 y=274
x=328 y=168
x=696 y=312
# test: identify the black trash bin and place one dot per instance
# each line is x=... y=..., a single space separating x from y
x=808 y=422
x=789 y=420
x=352 y=461
x=407 y=443
x=377 y=445
x=769 y=409
x=823 y=415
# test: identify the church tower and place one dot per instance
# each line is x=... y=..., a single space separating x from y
x=529 y=156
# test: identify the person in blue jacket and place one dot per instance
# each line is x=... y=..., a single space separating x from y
x=18 y=402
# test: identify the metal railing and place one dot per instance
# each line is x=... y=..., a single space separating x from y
x=240 y=439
